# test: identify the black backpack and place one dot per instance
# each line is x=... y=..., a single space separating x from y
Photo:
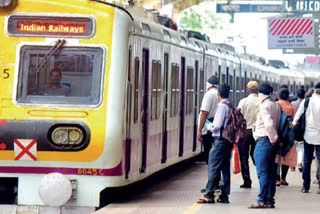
x=300 y=127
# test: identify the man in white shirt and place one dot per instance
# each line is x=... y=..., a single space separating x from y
x=207 y=111
x=311 y=135
x=249 y=108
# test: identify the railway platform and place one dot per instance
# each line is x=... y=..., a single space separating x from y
x=179 y=192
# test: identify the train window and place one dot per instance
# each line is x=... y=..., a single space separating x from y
x=227 y=76
x=72 y=76
x=189 y=90
x=145 y=27
x=174 y=90
x=219 y=71
x=183 y=39
x=155 y=90
x=166 y=34
x=223 y=78
x=136 y=89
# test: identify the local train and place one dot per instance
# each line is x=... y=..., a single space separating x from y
x=134 y=93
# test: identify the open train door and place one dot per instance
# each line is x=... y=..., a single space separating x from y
x=182 y=106
x=145 y=109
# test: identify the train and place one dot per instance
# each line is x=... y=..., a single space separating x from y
x=94 y=96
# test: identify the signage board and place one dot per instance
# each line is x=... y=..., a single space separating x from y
x=290 y=33
x=302 y=5
x=19 y=25
x=249 y=8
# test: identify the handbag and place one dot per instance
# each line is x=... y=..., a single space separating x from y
x=236 y=167
x=300 y=127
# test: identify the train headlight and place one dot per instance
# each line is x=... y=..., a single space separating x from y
x=67 y=136
x=7 y=3
x=55 y=189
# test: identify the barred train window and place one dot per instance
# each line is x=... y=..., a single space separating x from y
x=155 y=90
x=72 y=75
x=189 y=90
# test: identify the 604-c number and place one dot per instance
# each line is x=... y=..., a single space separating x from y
x=90 y=172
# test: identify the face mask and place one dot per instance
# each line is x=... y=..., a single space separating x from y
x=55 y=80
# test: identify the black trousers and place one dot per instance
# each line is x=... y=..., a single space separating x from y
x=246 y=147
x=207 y=141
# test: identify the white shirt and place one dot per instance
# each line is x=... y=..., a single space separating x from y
x=210 y=102
x=268 y=119
x=249 y=108
x=312 y=131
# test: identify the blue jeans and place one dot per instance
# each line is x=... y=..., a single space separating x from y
x=264 y=156
x=219 y=161
x=306 y=170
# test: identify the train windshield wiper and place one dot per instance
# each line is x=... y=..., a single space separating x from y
x=45 y=59
x=52 y=51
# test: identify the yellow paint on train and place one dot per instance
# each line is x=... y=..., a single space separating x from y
x=94 y=118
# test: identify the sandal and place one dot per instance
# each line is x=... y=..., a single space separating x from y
x=278 y=183
x=284 y=182
x=205 y=201
x=257 y=205
x=223 y=200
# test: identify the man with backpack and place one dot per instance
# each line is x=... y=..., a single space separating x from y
x=249 y=107
x=265 y=134
x=220 y=153
x=311 y=135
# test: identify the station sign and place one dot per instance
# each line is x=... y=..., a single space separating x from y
x=302 y=5
x=50 y=26
x=289 y=33
x=249 y=8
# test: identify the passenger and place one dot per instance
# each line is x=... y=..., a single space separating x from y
x=265 y=134
x=311 y=136
x=220 y=153
x=207 y=111
x=55 y=88
x=299 y=144
x=290 y=160
x=249 y=108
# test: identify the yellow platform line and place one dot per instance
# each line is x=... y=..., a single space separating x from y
x=196 y=207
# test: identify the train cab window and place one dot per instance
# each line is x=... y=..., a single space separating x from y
x=166 y=34
x=189 y=90
x=73 y=75
x=155 y=90
x=136 y=90
x=145 y=27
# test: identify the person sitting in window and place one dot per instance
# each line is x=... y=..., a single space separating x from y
x=55 y=88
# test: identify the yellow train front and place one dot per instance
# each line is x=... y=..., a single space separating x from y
x=61 y=101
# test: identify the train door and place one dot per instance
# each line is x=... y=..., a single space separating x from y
x=145 y=108
x=165 y=110
x=182 y=106
x=195 y=112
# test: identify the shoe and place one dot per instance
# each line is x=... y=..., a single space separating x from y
x=247 y=186
x=257 y=205
x=223 y=200
x=284 y=183
x=293 y=168
x=278 y=183
x=203 y=190
x=300 y=169
x=269 y=206
x=303 y=190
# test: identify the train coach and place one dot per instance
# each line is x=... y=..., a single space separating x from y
x=94 y=97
